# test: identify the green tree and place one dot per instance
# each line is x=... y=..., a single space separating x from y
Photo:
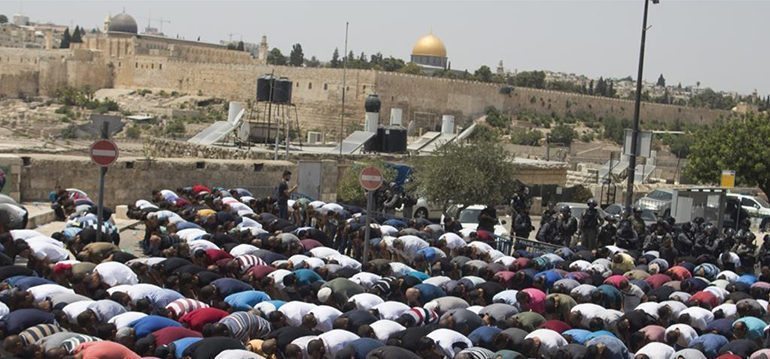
x=446 y=176
x=411 y=68
x=740 y=143
x=335 y=62
x=535 y=79
x=3 y=19
x=275 y=57
x=241 y=46
x=661 y=81
x=601 y=87
x=392 y=64
x=65 y=39
x=313 y=62
x=563 y=134
x=77 y=36
x=711 y=99
x=296 y=57
x=614 y=129
x=679 y=145
x=484 y=74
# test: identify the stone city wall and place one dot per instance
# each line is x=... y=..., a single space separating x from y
x=130 y=179
x=317 y=92
x=33 y=72
x=425 y=99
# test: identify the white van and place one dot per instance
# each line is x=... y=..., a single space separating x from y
x=755 y=206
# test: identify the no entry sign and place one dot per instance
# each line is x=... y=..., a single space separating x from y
x=104 y=152
x=371 y=178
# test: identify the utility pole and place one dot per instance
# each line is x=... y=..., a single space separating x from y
x=637 y=105
x=344 y=84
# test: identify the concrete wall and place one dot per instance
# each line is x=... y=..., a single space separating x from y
x=124 y=185
x=10 y=165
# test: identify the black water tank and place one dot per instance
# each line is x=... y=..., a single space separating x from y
x=282 y=91
x=395 y=140
x=372 y=103
x=382 y=138
x=264 y=85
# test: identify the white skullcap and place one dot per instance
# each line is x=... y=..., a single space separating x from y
x=324 y=294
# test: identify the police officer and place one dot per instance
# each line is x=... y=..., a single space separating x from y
x=566 y=226
x=589 y=225
x=638 y=222
x=522 y=224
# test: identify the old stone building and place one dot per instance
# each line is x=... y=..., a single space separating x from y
x=120 y=40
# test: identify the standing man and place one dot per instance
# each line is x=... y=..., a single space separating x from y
x=284 y=192
x=589 y=226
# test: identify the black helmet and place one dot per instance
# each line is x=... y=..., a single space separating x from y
x=564 y=209
x=591 y=203
x=637 y=209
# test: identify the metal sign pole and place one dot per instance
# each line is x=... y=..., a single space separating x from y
x=368 y=229
x=102 y=173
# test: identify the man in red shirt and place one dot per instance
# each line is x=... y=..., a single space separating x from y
x=196 y=319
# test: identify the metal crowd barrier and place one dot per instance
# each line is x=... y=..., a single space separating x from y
x=506 y=244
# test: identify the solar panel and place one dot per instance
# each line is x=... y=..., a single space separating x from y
x=354 y=142
x=422 y=141
x=217 y=131
x=437 y=143
x=466 y=132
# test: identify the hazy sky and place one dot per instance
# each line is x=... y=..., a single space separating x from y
x=722 y=44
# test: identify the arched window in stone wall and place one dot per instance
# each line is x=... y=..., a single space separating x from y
x=309 y=85
x=326 y=87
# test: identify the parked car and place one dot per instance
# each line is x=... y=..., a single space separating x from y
x=755 y=206
x=469 y=218
x=616 y=210
x=657 y=201
x=422 y=209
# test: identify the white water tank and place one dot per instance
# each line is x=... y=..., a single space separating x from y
x=395 y=116
x=233 y=110
x=371 y=122
x=448 y=124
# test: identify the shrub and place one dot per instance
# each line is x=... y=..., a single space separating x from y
x=175 y=127
x=526 y=137
x=563 y=134
x=133 y=132
x=69 y=132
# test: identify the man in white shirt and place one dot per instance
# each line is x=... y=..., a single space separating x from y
x=328 y=344
x=321 y=318
x=543 y=343
x=110 y=274
x=449 y=342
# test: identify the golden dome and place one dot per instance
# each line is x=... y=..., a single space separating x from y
x=429 y=45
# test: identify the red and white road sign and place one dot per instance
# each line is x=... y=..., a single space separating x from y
x=371 y=178
x=104 y=152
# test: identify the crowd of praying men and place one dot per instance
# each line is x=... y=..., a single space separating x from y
x=222 y=274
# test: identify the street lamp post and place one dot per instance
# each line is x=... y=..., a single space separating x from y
x=637 y=105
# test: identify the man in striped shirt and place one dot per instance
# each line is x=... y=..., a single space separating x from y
x=180 y=307
x=243 y=326
x=242 y=264
x=16 y=344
